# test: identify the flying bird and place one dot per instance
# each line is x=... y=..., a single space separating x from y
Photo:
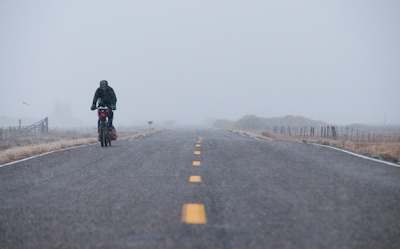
x=26 y=103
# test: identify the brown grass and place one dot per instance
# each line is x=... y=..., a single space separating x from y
x=385 y=151
x=269 y=134
x=34 y=147
x=29 y=150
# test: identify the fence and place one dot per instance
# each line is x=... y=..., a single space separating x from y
x=63 y=131
x=38 y=128
x=335 y=133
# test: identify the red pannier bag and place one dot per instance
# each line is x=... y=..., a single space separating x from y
x=113 y=134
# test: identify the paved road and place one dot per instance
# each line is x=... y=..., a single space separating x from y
x=254 y=194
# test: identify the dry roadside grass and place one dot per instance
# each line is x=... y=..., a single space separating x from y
x=385 y=151
x=61 y=142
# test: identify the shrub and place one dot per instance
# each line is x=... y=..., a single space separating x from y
x=269 y=134
x=249 y=123
x=388 y=157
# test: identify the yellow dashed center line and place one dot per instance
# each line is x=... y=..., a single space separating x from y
x=196 y=135
x=193 y=213
x=195 y=179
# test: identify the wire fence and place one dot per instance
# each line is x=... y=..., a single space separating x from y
x=29 y=131
x=40 y=127
x=339 y=133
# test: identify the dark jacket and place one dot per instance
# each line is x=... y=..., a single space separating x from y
x=107 y=98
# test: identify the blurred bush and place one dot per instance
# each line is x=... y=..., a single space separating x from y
x=249 y=123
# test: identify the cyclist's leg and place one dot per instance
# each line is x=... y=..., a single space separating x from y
x=98 y=129
x=110 y=118
x=98 y=126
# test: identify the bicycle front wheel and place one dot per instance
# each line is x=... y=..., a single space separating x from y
x=104 y=136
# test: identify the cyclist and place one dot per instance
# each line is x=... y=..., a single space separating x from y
x=106 y=97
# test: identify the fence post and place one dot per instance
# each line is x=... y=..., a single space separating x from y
x=47 y=125
x=334 y=132
x=327 y=132
x=351 y=133
x=357 y=135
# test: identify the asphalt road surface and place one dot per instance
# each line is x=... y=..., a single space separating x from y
x=239 y=192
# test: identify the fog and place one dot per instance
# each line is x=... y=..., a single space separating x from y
x=189 y=61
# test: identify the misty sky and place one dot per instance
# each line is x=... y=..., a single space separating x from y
x=337 y=61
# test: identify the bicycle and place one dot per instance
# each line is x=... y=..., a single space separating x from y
x=104 y=131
